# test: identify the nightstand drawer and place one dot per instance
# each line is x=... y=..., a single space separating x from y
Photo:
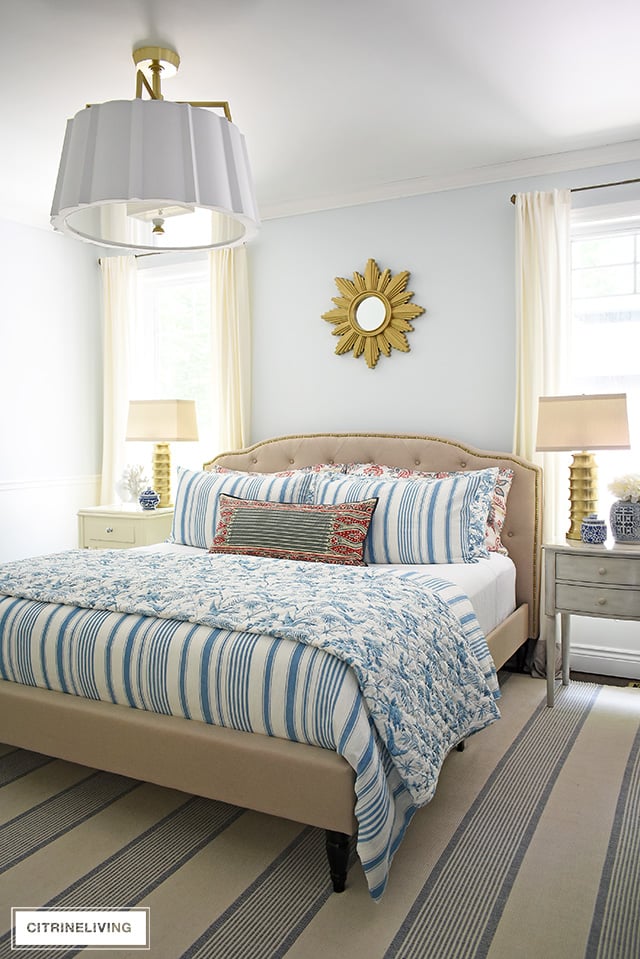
x=598 y=601
x=601 y=570
x=101 y=531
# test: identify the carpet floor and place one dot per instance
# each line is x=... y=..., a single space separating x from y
x=531 y=847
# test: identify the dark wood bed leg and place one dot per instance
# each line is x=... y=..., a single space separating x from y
x=338 y=855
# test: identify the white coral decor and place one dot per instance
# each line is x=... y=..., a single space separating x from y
x=131 y=483
x=627 y=487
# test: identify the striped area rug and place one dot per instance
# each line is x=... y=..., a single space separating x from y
x=530 y=848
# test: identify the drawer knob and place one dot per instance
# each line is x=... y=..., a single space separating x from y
x=602 y=571
x=109 y=529
x=602 y=601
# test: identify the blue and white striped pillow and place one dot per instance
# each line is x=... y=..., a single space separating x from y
x=195 y=514
x=433 y=521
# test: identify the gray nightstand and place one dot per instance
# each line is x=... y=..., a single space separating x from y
x=587 y=581
x=122 y=526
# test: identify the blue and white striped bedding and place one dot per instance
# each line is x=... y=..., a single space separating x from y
x=388 y=668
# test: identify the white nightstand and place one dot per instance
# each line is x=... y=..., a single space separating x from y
x=588 y=581
x=122 y=526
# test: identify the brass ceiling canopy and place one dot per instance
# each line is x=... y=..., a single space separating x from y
x=155 y=60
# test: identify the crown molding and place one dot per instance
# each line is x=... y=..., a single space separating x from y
x=476 y=176
x=544 y=165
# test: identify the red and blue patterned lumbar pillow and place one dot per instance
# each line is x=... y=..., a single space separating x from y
x=331 y=533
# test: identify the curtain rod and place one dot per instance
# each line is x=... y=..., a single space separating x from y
x=596 y=186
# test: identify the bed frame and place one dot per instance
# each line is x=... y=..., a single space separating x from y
x=248 y=769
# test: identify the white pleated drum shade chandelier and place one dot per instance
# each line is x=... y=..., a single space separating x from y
x=150 y=174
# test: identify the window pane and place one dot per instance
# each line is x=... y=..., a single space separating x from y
x=604 y=280
x=602 y=251
x=605 y=337
x=171 y=353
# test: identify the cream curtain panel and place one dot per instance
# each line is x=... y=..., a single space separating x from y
x=119 y=304
x=231 y=344
x=543 y=309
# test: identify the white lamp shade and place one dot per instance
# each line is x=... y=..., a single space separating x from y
x=586 y=422
x=162 y=421
x=127 y=162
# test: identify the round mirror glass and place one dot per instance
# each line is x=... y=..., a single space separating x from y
x=370 y=313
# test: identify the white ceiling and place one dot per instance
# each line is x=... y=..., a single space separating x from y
x=339 y=100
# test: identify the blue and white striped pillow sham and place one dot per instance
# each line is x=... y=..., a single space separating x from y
x=195 y=514
x=433 y=521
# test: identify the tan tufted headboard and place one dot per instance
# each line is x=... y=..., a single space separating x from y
x=522 y=531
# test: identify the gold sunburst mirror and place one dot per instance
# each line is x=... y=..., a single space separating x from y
x=372 y=313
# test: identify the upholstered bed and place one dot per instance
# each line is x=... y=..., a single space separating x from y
x=294 y=779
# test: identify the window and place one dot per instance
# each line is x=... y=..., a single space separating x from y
x=171 y=350
x=605 y=331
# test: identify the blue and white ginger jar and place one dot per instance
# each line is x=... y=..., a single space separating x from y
x=593 y=531
x=148 y=499
x=625 y=521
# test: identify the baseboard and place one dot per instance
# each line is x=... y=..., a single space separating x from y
x=605 y=661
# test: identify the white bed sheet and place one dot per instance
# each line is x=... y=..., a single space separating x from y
x=490 y=583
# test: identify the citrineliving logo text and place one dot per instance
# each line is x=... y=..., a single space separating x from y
x=40 y=929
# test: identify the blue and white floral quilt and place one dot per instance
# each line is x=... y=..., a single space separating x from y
x=425 y=678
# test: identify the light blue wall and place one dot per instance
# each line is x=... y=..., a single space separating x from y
x=459 y=378
x=457 y=247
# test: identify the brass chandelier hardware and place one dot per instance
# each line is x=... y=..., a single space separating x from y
x=159 y=60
